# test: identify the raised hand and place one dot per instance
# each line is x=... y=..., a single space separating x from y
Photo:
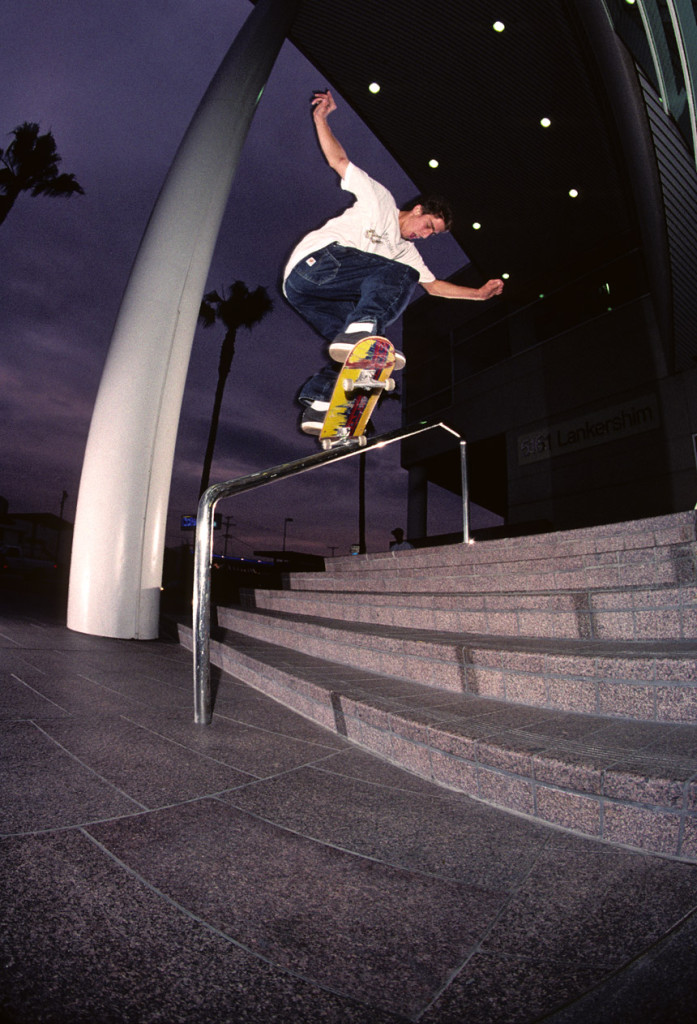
x=322 y=105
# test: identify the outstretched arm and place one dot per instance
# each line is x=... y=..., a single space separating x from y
x=334 y=153
x=447 y=290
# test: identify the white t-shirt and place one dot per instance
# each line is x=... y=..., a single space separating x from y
x=371 y=225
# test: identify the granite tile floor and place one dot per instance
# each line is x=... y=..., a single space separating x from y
x=263 y=869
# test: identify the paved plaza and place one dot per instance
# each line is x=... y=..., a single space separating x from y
x=265 y=869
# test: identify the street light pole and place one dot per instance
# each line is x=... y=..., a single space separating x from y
x=285 y=525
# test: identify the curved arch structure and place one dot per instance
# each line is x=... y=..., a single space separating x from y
x=118 y=546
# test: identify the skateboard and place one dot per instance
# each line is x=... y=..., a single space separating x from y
x=362 y=379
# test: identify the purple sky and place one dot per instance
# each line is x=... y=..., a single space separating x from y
x=117 y=83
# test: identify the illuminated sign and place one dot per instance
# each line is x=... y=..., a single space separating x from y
x=189 y=522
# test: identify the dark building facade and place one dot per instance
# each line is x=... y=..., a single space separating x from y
x=577 y=391
x=571 y=414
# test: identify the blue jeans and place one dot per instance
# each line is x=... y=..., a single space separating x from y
x=319 y=387
x=344 y=286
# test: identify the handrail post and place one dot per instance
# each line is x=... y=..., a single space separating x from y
x=465 y=492
x=203 y=551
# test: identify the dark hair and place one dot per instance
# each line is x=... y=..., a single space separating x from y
x=436 y=206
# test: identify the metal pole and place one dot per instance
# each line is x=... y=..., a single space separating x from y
x=465 y=493
x=203 y=705
x=285 y=527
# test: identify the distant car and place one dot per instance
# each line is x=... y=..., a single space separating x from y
x=13 y=562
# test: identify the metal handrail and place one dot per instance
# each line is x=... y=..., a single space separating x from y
x=203 y=711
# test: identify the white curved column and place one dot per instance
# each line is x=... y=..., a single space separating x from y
x=118 y=544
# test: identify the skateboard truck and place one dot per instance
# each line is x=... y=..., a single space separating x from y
x=342 y=436
x=368 y=381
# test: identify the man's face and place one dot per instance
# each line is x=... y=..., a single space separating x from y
x=415 y=224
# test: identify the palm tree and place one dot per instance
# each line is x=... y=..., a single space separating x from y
x=30 y=164
x=239 y=308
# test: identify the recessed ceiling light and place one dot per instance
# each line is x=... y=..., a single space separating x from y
x=476 y=225
x=573 y=192
x=374 y=87
x=433 y=163
x=545 y=122
x=498 y=26
x=505 y=277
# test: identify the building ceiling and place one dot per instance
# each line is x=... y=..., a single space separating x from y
x=455 y=90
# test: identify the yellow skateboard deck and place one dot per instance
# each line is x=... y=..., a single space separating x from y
x=362 y=379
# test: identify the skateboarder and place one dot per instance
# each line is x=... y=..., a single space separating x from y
x=354 y=276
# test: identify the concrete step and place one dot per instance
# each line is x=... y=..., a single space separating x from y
x=666 y=531
x=647 y=553
x=638 y=613
x=646 y=567
x=646 y=680
x=627 y=783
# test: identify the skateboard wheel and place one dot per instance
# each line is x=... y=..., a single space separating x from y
x=326 y=443
x=349 y=387
x=390 y=385
x=362 y=441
